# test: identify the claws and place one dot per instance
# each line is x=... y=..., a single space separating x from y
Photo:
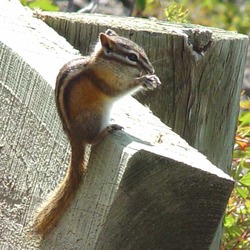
x=114 y=127
x=149 y=82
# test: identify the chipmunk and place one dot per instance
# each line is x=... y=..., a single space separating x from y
x=86 y=89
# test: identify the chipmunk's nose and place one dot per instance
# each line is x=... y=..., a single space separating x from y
x=149 y=70
x=152 y=71
x=146 y=66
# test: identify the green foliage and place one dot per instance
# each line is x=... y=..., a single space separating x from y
x=175 y=12
x=237 y=218
x=226 y=14
x=47 y=5
x=141 y=4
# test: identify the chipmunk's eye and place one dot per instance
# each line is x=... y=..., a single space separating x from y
x=132 y=57
x=109 y=50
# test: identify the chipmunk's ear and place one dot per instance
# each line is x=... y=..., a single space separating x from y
x=107 y=43
x=110 y=32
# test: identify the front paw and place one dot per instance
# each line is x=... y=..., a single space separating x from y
x=114 y=127
x=149 y=82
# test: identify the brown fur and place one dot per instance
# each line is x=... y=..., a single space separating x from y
x=51 y=211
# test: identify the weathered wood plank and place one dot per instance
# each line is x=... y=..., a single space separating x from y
x=175 y=216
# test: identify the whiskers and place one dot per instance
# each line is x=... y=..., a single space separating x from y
x=158 y=60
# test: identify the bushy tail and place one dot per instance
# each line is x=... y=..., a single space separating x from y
x=50 y=212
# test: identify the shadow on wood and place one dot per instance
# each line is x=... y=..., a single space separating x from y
x=164 y=204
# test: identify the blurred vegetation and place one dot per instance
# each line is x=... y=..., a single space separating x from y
x=237 y=218
x=47 y=5
x=225 y=14
x=233 y=15
x=176 y=12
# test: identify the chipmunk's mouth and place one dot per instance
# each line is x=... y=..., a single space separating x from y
x=144 y=72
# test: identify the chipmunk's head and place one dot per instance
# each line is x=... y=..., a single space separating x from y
x=124 y=51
